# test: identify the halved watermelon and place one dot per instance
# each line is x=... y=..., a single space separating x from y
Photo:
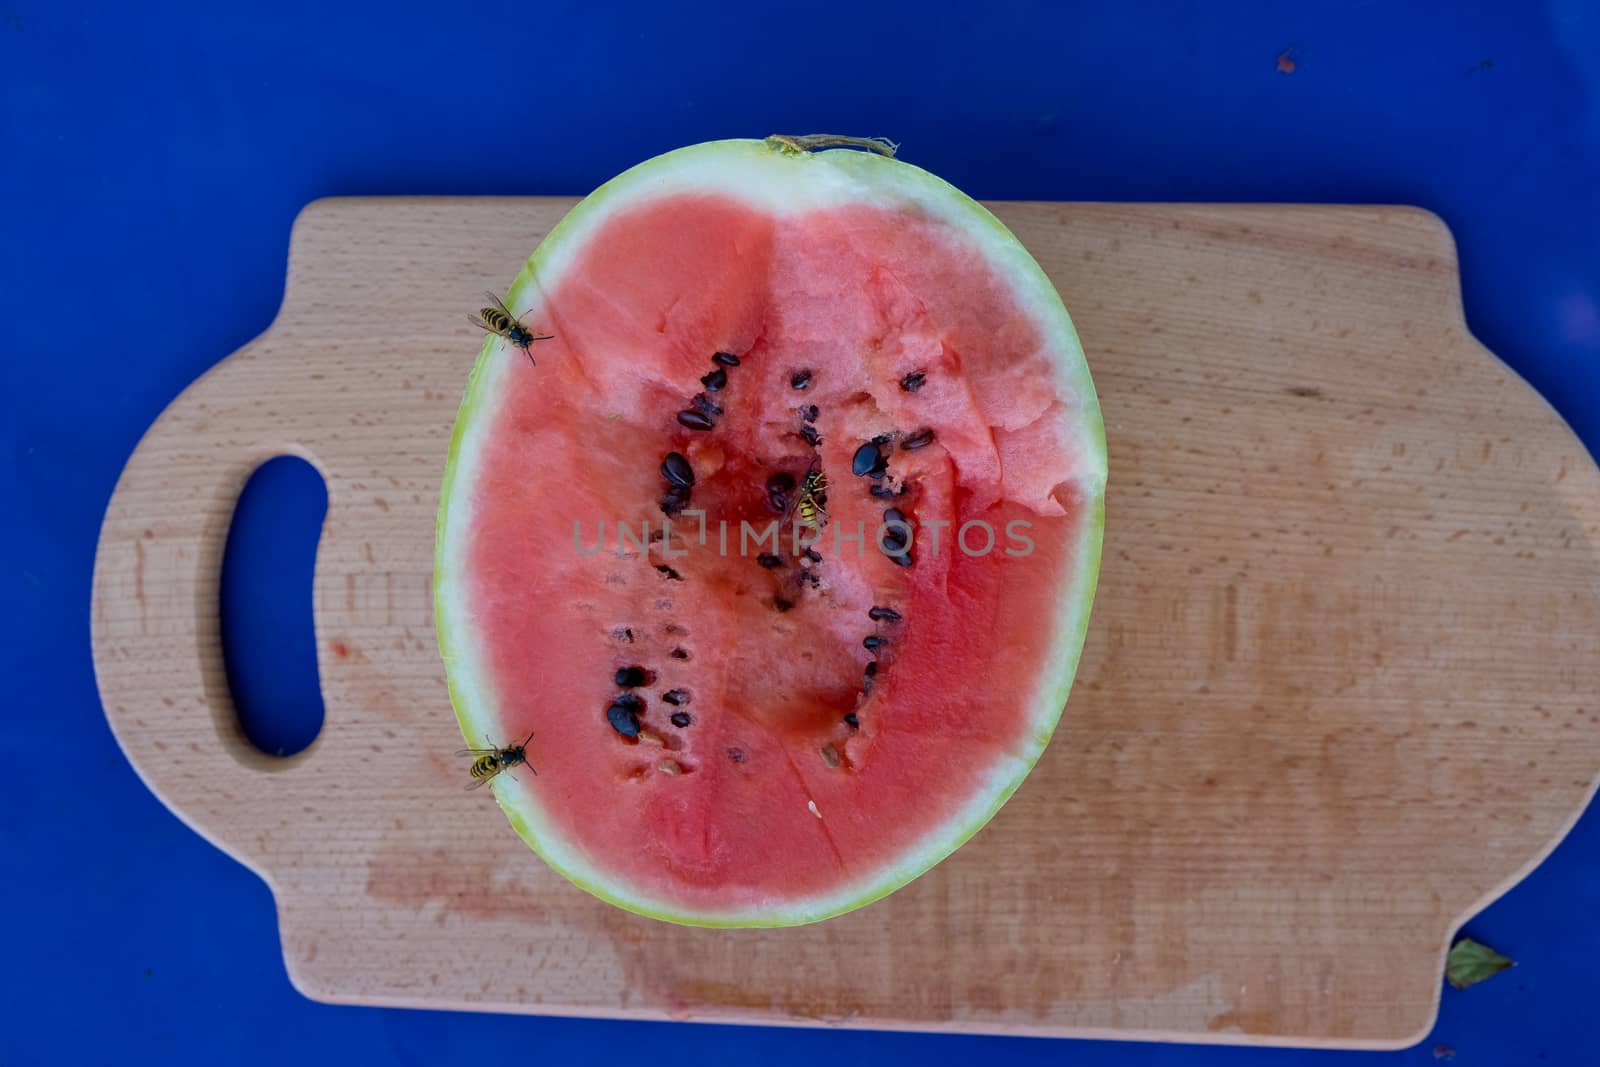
x=740 y=732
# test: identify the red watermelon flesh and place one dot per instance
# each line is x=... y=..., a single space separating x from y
x=805 y=772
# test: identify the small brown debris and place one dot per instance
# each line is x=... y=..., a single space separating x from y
x=830 y=755
x=1286 y=61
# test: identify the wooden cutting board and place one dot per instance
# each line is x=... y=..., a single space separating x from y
x=1339 y=690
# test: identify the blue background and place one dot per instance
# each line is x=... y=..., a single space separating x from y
x=152 y=159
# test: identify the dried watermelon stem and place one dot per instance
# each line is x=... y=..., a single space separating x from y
x=812 y=141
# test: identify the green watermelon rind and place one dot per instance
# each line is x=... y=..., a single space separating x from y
x=865 y=172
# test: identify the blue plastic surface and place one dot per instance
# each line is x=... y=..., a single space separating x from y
x=152 y=157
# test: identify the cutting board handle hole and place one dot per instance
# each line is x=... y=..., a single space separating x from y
x=269 y=642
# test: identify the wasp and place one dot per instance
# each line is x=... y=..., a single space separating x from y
x=498 y=320
x=811 y=498
x=489 y=762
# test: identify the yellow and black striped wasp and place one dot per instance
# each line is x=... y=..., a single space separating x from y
x=811 y=499
x=487 y=763
x=497 y=319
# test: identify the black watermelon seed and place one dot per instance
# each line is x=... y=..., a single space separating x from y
x=676 y=696
x=866 y=460
x=779 y=486
x=851 y=721
x=675 y=469
x=694 y=420
x=715 y=380
x=670 y=574
x=679 y=653
x=705 y=405
x=872 y=669
x=736 y=754
x=809 y=413
x=901 y=560
x=810 y=434
x=727 y=359
x=630 y=700
x=873 y=641
x=769 y=561
x=913 y=381
x=623 y=719
x=894 y=540
x=781 y=604
x=920 y=439
x=809 y=577
x=813 y=555
x=800 y=379
x=894 y=515
x=881 y=491
x=680 y=719
x=881 y=614
x=631 y=677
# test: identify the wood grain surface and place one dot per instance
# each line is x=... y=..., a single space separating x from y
x=1339 y=690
